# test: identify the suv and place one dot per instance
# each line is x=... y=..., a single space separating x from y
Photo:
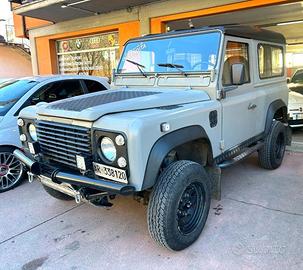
x=186 y=104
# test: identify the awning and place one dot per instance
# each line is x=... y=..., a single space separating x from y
x=62 y=10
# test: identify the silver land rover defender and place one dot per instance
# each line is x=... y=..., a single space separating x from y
x=183 y=105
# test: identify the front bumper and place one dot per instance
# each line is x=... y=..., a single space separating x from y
x=295 y=123
x=58 y=177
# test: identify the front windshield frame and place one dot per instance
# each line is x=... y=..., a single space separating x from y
x=176 y=71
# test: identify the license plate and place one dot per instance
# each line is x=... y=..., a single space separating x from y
x=298 y=116
x=111 y=173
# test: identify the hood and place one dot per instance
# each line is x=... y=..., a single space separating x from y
x=295 y=98
x=93 y=106
x=298 y=87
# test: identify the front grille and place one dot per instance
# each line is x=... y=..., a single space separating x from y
x=61 y=143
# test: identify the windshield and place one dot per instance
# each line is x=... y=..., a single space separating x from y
x=181 y=54
x=11 y=91
x=298 y=77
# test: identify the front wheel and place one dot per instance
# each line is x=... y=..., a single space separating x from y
x=272 y=153
x=179 y=205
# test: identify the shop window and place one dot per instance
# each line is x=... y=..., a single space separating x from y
x=235 y=53
x=92 y=55
x=94 y=86
x=271 y=63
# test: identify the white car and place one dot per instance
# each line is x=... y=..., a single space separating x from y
x=295 y=102
x=15 y=94
x=295 y=109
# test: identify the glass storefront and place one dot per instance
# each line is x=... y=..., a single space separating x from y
x=92 y=55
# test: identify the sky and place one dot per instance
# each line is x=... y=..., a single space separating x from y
x=5 y=13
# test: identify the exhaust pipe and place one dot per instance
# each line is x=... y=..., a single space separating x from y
x=33 y=166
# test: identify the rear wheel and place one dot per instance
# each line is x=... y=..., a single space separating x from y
x=272 y=153
x=179 y=205
x=57 y=194
x=12 y=171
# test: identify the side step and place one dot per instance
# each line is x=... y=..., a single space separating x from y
x=241 y=156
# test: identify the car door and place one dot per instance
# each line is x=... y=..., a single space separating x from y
x=238 y=104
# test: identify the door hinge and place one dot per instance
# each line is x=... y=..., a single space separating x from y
x=222 y=145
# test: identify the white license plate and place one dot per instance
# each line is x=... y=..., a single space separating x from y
x=298 y=116
x=111 y=173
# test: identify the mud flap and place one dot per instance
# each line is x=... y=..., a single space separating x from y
x=288 y=135
x=215 y=176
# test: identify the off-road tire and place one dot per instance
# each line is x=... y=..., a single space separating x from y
x=57 y=194
x=165 y=201
x=272 y=152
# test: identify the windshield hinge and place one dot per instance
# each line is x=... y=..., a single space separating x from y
x=222 y=146
x=212 y=75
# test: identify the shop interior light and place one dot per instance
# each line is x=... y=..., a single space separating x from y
x=287 y=23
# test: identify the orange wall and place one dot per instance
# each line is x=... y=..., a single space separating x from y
x=29 y=23
x=157 y=24
x=46 y=46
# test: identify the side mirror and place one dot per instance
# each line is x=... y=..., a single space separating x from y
x=237 y=74
x=288 y=80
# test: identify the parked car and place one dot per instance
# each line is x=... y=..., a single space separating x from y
x=295 y=102
x=15 y=94
x=295 y=83
x=186 y=104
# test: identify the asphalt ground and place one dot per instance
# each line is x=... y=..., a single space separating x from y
x=256 y=225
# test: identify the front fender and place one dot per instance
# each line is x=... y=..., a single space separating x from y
x=164 y=145
x=10 y=137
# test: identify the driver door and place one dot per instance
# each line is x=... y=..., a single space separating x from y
x=239 y=103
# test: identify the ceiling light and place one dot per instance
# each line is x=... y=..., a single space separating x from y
x=65 y=5
x=78 y=2
x=287 y=23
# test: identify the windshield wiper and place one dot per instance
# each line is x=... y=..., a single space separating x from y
x=178 y=67
x=139 y=66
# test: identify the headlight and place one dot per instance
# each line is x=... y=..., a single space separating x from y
x=108 y=149
x=33 y=132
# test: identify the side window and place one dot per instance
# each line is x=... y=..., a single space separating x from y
x=235 y=53
x=58 y=90
x=94 y=86
x=271 y=63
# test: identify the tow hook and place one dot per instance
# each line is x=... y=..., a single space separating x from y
x=78 y=198
x=30 y=177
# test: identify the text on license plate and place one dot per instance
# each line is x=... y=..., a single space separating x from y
x=110 y=173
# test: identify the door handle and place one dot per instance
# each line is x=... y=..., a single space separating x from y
x=252 y=106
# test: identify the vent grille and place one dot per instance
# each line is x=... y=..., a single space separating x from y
x=61 y=143
x=81 y=103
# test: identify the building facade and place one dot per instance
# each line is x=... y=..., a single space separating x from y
x=87 y=36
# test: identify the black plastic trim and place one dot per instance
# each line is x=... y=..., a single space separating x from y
x=272 y=109
x=164 y=145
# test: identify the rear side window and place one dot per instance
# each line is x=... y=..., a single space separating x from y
x=58 y=90
x=271 y=61
x=94 y=86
